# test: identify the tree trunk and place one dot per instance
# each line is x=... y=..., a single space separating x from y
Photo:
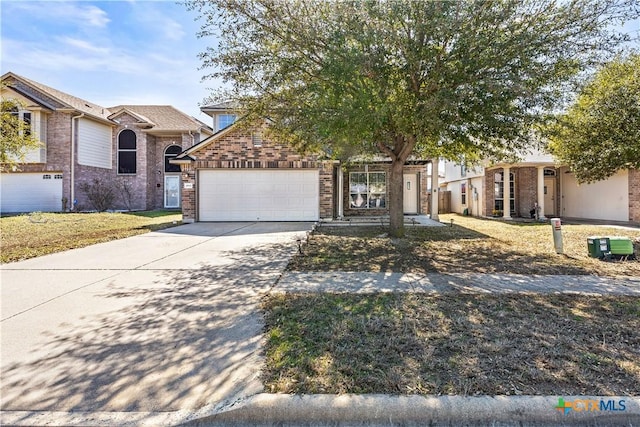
x=396 y=206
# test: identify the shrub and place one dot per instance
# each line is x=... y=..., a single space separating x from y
x=100 y=194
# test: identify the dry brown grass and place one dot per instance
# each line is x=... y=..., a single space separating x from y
x=471 y=245
x=453 y=344
x=36 y=234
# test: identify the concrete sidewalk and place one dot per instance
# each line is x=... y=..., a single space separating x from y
x=366 y=282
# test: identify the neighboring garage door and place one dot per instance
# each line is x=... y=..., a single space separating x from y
x=258 y=195
x=30 y=192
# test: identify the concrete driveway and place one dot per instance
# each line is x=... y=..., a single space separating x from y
x=164 y=321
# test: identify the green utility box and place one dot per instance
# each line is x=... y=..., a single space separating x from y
x=620 y=246
x=598 y=246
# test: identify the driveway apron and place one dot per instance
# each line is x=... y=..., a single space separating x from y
x=163 y=321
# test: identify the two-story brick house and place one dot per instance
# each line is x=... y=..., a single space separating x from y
x=81 y=141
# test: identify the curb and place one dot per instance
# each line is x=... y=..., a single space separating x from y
x=385 y=410
x=364 y=410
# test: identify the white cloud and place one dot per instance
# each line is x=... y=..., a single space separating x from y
x=83 y=45
x=60 y=12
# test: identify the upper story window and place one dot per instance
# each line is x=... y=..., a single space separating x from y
x=256 y=138
x=169 y=153
x=224 y=121
x=127 y=152
x=25 y=117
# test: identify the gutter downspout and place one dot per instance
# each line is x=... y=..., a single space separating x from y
x=73 y=159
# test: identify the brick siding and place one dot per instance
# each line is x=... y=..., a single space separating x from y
x=235 y=150
x=526 y=187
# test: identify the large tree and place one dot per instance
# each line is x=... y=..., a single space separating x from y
x=600 y=133
x=401 y=78
x=16 y=139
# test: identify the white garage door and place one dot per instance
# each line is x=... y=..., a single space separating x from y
x=30 y=192
x=258 y=195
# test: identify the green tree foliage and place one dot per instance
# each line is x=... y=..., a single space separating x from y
x=403 y=78
x=16 y=139
x=600 y=132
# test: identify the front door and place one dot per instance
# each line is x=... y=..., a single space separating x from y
x=410 y=194
x=549 y=197
x=172 y=191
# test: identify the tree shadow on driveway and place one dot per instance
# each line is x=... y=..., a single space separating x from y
x=163 y=340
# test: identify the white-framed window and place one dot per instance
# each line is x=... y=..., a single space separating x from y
x=499 y=192
x=367 y=190
x=463 y=193
x=224 y=120
x=25 y=117
x=256 y=138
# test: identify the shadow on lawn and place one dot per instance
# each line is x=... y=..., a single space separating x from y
x=425 y=250
x=452 y=344
x=184 y=340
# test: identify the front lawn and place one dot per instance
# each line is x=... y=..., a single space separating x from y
x=454 y=343
x=461 y=344
x=36 y=234
x=471 y=245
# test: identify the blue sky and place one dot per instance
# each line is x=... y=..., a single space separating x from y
x=108 y=52
x=113 y=52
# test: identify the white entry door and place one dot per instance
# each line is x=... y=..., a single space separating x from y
x=410 y=194
x=172 y=191
x=549 y=197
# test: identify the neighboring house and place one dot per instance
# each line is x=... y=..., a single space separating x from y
x=237 y=174
x=538 y=179
x=127 y=144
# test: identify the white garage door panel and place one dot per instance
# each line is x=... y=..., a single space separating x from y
x=251 y=195
x=608 y=199
x=30 y=192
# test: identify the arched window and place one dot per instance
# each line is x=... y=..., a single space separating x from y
x=169 y=153
x=127 y=152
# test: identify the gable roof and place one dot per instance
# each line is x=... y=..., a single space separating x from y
x=62 y=99
x=163 y=118
x=186 y=154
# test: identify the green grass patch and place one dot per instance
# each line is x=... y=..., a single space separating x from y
x=452 y=344
x=36 y=234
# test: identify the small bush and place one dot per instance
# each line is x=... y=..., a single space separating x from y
x=101 y=194
x=125 y=189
